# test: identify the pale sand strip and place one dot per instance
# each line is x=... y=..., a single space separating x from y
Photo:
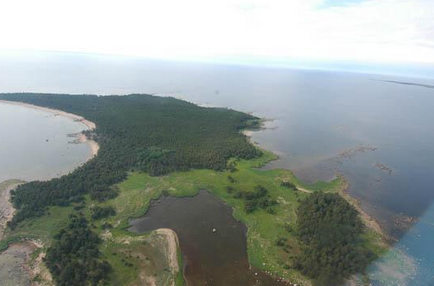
x=89 y=124
x=172 y=248
x=94 y=147
x=6 y=209
x=171 y=239
x=368 y=220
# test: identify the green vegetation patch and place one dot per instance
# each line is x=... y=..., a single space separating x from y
x=73 y=257
x=139 y=259
x=152 y=146
x=272 y=241
x=135 y=132
x=331 y=236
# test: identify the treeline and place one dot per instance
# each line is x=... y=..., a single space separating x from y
x=330 y=233
x=98 y=212
x=258 y=198
x=74 y=259
x=135 y=132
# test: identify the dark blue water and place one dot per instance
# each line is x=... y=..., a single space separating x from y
x=378 y=134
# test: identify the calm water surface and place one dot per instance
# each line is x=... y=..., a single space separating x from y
x=378 y=134
x=212 y=258
x=34 y=144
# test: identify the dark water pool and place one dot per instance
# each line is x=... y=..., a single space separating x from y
x=211 y=258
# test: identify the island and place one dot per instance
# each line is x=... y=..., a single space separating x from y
x=152 y=147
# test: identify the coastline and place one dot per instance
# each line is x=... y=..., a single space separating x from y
x=94 y=147
x=81 y=138
x=33 y=267
x=369 y=221
x=6 y=209
x=25 y=266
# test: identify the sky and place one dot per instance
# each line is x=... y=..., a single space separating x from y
x=389 y=31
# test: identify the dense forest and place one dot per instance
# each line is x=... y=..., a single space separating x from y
x=73 y=258
x=135 y=132
x=330 y=232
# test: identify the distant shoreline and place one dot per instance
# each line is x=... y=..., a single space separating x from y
x=94 y=147
x=407 y=83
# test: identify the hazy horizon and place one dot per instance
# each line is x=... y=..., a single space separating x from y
x=407 y=70
x=393 y=32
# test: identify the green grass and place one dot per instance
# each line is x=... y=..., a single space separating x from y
x=42 y=228
x=139 y=189
x=137 y=256
x=263 y=228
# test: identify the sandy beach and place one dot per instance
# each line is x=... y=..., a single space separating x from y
x=94 y=147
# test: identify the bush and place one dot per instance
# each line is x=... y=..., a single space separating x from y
x=289 y=185
x=102 y=212
x=258 y=198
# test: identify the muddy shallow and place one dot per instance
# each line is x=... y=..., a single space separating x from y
x=210 y=258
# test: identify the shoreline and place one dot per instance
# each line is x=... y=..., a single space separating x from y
x=34 y=267
x=369 y=221
x=94 y=147
x=81 y=138
x=6 y=208
x=172 y=240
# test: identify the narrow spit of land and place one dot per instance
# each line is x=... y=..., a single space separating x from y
x=153 y=146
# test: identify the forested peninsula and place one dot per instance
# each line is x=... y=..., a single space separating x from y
x=149 y=146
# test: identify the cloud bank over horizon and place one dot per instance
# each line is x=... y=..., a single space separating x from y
x=389 y=31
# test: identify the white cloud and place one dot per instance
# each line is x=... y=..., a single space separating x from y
x=374 y=30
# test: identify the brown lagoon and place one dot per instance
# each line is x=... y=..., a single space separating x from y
x=213 y=243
